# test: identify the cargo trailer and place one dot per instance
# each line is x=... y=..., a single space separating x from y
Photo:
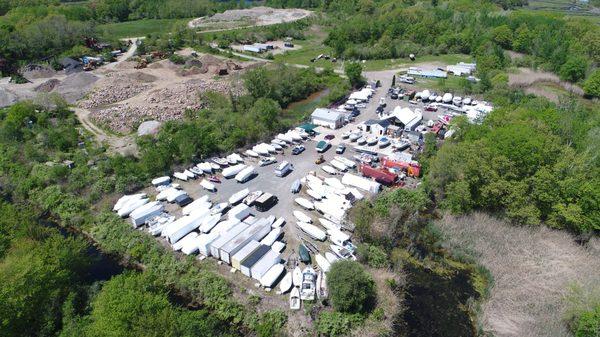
x=263 y=265
x=382 y=176
x=273 y=235
x=243 y=253
x=362 y=183
x=226 y=237
x=255 y=232
x=239 y=212
x=253 y=258
x=144 y=213
x=204 y=241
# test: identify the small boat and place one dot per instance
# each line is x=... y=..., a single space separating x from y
x=349 y=163
x=207 y=185
x=180 y=176
x=342 y=252
x=219 y=208
x=322 y=292
x=313 y=194
x=267 y=161
x=286 y=283
x=185 y=240
x=305 y=203
x=238 y=196
x=220 y=161
x=372 y=141
x=295 y=299
x=354 y=137
x=329 y=169
x=467 y=101
x=277 y=147
x=295 y=188
x=384 y=141
x=400 y=145
x=278 y=223
x=304 y=255
x=322 y=262
x=251 y=153
x=215 y=166
x=312 y=230
x=438 y=99
x=214 y=179
x=231 y=160
x=362 y=141
x=209 y=222
x=189 y=174
x=297 y=274
x=362 y=159
x=457 y=100
x=251 y=198
x=205 y=167
x=278 y=142
x=307 y=290
x=338 y=165
x=346 y=135
x=302 y=217
x=195 y=170
x=331 y=257
x=330 y=225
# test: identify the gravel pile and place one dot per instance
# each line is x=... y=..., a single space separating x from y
x=116 y=89
x=75 y=86
x=161 y=105
x=47 y=86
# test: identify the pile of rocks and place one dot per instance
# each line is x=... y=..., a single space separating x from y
x=118 y=89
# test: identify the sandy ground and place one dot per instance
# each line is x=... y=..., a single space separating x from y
x=256 y=16
x=529 y=81
x=533 y=268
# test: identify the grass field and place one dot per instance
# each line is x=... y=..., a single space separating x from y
x=139 y=28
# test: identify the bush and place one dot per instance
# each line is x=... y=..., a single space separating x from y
x=373 y=256
x=592 y=85
x=177 y=59
x=352 y=289
x=333 y=324
x=588 y=324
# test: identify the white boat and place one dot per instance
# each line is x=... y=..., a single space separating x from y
x=130 y=206
x=302 y=217
x=261 y=150
x=384 y=141
x=329 y=169
x=309 y=278
x=338 y=165
x=232 y=170
x=267 y=161
x=189 y=174
x=165 y=180
x=251 y=198
x=195 y=170
x=207 y=185
x=180 y=176
x=322 y=262
x=219 y=208
x=335 y=183
x=328 y=224
x=305 y=203
x=295 y=299
x=251 y=153
x=269 y=278
x=279 y=142
x=354 y=137
x=162 y=195
x=312 y=230
x=238 y=196
x=433 y=97
x=295 y=135
x=467 y=101
x=185 y=240
x=342 y=252
x=346 y=135
x=438 y=99
x=287 y=139
x=205 y=167
x=349 y=163
x=372 y=141
x=200 y=203
x=447 y=98
x=220 y=161
x=457 y=100
x=313 y=194
x=245 y=174
x=215 y=166
x=277 y=147
x=278 y=223
x=126 y=198
x=209 y=222
x=271 y=219
x=297 y=276
x=331 y=257
x=313 y=179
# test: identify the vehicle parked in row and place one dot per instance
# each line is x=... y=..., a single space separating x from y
x=340 y=149
x=298 y=149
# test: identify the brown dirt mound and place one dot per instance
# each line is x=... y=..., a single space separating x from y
x=47 y=86
x=33 y=71
x=143 y=77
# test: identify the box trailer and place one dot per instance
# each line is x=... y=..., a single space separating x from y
x=231 y=171
x=254 y=232
x=243 y=253
x=273 y=235
x=239 y=212
x=245 y=174
x=182 y=226
x=263 y=265
x=215 y=247
x=161 y=181
x=205 y=240
x=380 y=175
x=362 y=183
x=144 y=213
x=253 y=258
x=224 y=226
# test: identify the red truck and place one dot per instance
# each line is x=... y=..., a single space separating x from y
x=412 y=169
x=380 y=175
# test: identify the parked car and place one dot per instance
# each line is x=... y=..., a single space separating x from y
x=267 y=161
x=329 y=137
x=431 y=108
x=340 y=149
x=394 y=96
x=298 y=149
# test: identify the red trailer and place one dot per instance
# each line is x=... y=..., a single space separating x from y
x=380 y=175
x=412 y=168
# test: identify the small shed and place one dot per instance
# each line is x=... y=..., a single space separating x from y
x=377 y=127
x=328 y=118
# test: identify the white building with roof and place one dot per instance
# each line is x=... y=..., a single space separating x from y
x=328 y=118
x=408 y=118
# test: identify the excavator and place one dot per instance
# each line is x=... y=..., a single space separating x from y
x=320 y=160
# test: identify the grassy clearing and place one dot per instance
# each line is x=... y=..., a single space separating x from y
x=374 y=65
x=535 y=270
x=311 y=47
x=138 y=28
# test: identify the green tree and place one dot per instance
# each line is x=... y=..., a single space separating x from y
x=502 y=35
x=353 y=71
x=591 y=87
x=267 y=111
x=351 y=288
x=574 y=69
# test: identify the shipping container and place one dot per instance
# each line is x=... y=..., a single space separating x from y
x=380 y=175
x=226 y=237
x=243 y=253
x=263 y=265
x=204 y=241
x=253 y=258
x=255 y=232
x=239 y=212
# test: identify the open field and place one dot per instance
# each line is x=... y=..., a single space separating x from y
x=533 y=269
x=138 y=28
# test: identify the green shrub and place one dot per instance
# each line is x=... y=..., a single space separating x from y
x=351 y=288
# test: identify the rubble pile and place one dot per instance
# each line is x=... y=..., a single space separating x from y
x=162 y=105
x=120 y=89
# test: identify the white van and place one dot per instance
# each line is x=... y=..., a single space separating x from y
x=283 y=169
